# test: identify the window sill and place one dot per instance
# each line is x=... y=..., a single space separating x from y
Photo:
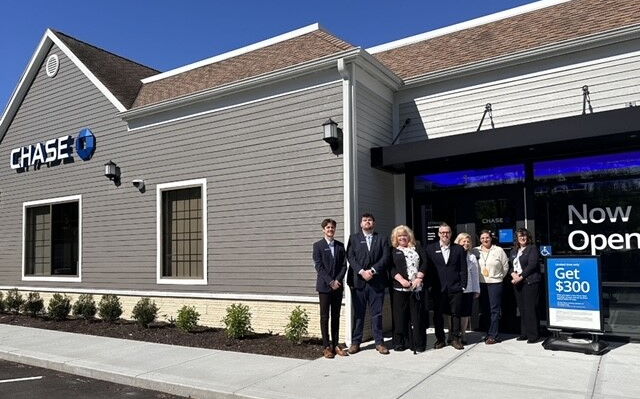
x=181 y=281
x=70 y=279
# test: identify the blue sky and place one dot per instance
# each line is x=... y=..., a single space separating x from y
x=168 y=34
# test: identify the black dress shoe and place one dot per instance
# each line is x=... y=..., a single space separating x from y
x=399 y=348
x=521 y=338
x=439 y=345
x=532 y=341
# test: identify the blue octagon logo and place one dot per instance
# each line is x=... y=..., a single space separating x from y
x=85 y=144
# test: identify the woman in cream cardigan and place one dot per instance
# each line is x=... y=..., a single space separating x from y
x=494 y=265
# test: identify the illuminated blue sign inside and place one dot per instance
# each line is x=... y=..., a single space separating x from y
x=509 y=174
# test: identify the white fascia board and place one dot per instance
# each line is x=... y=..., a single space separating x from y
x=564 y=47
x=466 y=25
x=103 y=89
x=371 y=64
x=25 y=82
x=47 y=41
x=241 y=85
x=235 y=53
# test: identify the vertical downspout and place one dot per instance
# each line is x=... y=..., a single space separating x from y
x=349 y=171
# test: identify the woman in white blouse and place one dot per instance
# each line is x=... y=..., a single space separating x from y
x=407 y=273
x=494 y=265
x=472 y=290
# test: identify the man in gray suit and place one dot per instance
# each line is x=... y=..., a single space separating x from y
x=368 y=255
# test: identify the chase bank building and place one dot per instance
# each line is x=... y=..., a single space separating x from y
x=205 y=185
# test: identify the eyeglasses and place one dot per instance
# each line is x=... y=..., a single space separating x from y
x=444 y=233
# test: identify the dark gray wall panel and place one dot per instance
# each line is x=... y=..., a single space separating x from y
x=270 y=178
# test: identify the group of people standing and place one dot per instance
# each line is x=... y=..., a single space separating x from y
x=452 y=273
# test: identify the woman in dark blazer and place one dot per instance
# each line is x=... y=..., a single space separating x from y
x=526 y=277
x=330 y=261
x=407 y=275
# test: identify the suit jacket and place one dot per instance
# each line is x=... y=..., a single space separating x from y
x=528 y=262
x=447 y=277
x=361 y=258
x=329 y=267
x=399 y=265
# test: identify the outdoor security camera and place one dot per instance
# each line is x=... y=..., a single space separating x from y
x=139 y=183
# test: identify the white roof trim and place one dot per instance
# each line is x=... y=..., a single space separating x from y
x=235 y=53
x=103 y=89
x=47 y=41
x=466 y=25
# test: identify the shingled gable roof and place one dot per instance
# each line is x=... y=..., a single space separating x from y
x=295 y=50
x=519 y=33
x=122 y=77
x=117 y=78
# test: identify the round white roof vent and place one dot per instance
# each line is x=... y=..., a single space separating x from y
x=52 y=65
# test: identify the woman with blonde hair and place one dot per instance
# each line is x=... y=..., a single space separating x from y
x=494 y=265
x=407 y=274
x=472 y=290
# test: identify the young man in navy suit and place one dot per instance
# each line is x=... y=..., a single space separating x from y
x=447 y=275
x=329 y=258
x=368 y=254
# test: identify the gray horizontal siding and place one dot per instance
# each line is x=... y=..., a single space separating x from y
x=375 y=188
x=545 y=94
x=270 y=178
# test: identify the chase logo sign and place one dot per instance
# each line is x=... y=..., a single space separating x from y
x=54 y=151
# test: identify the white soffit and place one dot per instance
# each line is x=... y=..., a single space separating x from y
x=465 y=25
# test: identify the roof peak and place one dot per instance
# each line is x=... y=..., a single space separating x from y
x=234 y=53
x=59 y=33
x=512 y=12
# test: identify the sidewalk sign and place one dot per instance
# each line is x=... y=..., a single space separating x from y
x=574 y=301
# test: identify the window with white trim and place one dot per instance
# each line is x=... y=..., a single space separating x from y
x=52 y=242
x=182 y=232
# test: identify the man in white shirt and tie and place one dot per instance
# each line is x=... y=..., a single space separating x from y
x=368 y=255
x=447 y=277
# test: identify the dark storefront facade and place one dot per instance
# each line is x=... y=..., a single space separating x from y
x=575 y=195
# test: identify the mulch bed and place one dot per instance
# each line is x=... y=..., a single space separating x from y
x=165 y=333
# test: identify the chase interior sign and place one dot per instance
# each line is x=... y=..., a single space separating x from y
x=54 y=150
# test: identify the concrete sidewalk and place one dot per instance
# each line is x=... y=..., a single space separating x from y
x=510 y=369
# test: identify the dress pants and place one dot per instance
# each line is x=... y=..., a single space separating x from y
x=409 y=328
x=491 y=305
x=450 y=303
x=375 y=299
x=527 y=296
x=330 y=303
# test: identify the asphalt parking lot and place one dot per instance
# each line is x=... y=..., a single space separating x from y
x=19 y=381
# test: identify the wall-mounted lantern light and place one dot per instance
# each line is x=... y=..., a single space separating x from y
x=333 y=136
x=112 y=172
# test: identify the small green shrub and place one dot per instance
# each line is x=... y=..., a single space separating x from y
x=110 y=308
x=2 y=304
x=238 y=321
x=59 y=307
x=145 y=312
x=14 y=301
x=85 y=307
x=187 y=318
x=33 y=305
x=298 y=325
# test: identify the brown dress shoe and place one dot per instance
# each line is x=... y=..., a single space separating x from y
x=328 y=353
x=490 y=341
x=457 y=344
x=354 y=348
x=382 y=349
x=439 y=345
x=340 y=351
